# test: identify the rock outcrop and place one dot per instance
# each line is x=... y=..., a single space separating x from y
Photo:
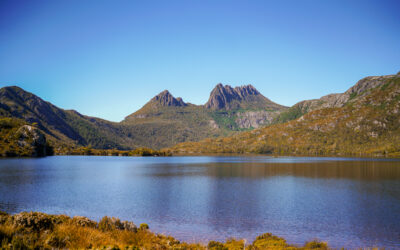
x=29 y=136
x=255 y=119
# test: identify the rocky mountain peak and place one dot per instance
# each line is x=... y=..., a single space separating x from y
x=247 y=96
x=166 y=99
x=246 y=90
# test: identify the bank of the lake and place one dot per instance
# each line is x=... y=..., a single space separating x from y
x=35 y=230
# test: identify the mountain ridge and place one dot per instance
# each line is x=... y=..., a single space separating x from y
x=165 y=121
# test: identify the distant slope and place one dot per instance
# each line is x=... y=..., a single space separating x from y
x=360 y=89
x=363 y=120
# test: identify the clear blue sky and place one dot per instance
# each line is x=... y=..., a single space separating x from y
x=108 y=58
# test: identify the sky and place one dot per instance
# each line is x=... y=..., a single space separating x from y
x=108 y=58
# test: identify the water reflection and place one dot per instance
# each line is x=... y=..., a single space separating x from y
x=348 y=202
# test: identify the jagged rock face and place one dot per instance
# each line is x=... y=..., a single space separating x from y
x=221 y=96
x=226 y=97
x=255 y=119
x=165 y=99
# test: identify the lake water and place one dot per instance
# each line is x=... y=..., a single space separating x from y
x=346 y=202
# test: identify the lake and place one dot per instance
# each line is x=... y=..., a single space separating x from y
x=347 y=202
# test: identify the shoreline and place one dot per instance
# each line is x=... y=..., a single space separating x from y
x=355 y=156
x=27 y=230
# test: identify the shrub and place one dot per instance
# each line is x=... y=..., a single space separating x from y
x=316 y=244
x=106 y=224
x=143 y=226
x=215 y=245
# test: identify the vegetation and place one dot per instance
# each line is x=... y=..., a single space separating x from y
x=158 y=126
x=110 y=152
x=36 y=230
x=368 y=125
x=290 y=114
x=17 y=138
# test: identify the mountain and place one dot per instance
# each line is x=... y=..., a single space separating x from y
x=162 y=122
x=243 y=97
x=365 y=120
x=163 y=100
x=241 y=108
x=166 y=120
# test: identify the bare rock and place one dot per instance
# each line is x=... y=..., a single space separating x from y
x=33 y=137
x=213 y=124
x=254 y=119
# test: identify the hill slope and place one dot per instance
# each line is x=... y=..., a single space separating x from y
x=61 y=126
x=363 y=120
x=359 y=90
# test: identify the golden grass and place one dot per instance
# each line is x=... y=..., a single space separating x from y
x=41 y=231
